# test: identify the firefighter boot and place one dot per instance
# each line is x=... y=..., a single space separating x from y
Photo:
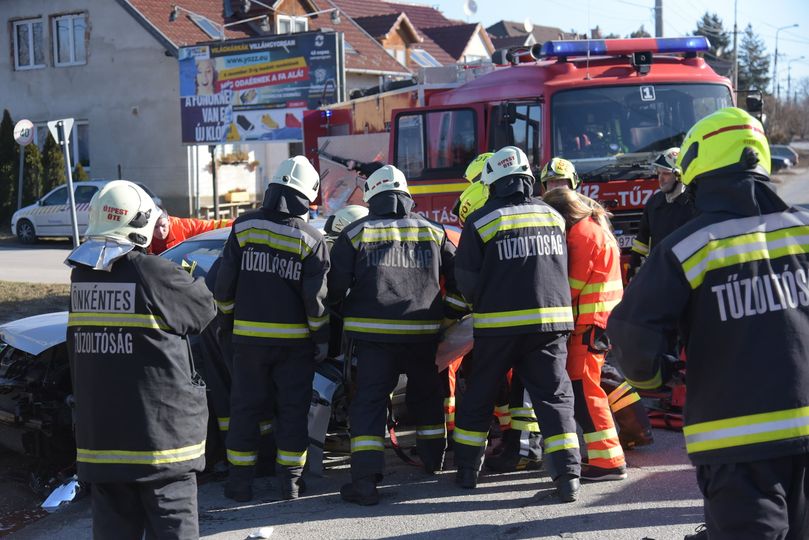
x=361 y=491
x=567 y=487
x=466 y=478
x=510 y=459
x=291 y=481
x=431 y=453
x=239 y=485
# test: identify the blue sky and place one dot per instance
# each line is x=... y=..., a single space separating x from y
x=679 y=18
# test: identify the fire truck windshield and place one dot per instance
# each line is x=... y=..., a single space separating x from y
x=625 y=126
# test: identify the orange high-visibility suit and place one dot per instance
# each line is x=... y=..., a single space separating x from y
x=182 y=228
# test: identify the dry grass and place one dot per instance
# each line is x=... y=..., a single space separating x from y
x=19 y=300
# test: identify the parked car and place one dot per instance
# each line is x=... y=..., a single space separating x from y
x=785 y=151
x=50 y=215
x=779 y=163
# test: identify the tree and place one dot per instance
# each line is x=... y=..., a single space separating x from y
x=32 y=175
x=53 y=165
x=711 y=27
x=640 y=33
x=8 y=166
x=79 y=174
x=754 y=62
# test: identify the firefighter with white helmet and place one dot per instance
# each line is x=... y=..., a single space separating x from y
x=386 y=271
x=342 y=218
x=129 y=317
x=512 y=267
x=273 y=281
x=665 y=211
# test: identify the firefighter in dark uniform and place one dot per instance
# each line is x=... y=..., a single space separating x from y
x=735 y=281
x=665 y=211
x=141 y=415
x=387 y=269
x=512 y=267
x=273 y=280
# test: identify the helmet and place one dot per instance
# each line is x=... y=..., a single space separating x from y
x=507 y=161
x=387 y=178
x=667 y=160
x=559 y=169
x=474 y=170
x=472 y=198
x=727 y=137
x=297 y=173
x=123 y=211
x=343 y=218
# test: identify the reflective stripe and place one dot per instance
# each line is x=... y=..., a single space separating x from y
x=242 y=459
x=370 y=235
x=124 y=320
x=426 y=189
x=522 y=425
x=224 y=423
x=526 y=412
x=603 y=435
x=390 y=326
x=367 y=442
x=649 y=384
x=576 y=284
x=265 y=427
x=274 y=241
x=745 y=430
x=225 y=307
x=435 y=431
x=625 y=402
x=140 y=457
x=524 y=317
x=639 y=247
x=316 y=323
x=596 y=307
x=606 y=286
x=616 y=394
x=456 y=302
x=609 y=453
x=521 y=209
x=270 y=330
x=563 y=441
x=469 y=438
x=526 y=221
x=276 y=235
x=291 y=459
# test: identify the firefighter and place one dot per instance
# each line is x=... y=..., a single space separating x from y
x=129 y=318
x=170 y=231
x=512 y=267
x=734 y=281
x=665 y=212
x=273 y=280
x=594 y=266
x=558 y=173
x=341 y=219
x=386 y=271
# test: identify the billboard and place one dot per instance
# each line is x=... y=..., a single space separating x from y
x=257 y=89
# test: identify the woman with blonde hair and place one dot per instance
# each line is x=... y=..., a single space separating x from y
x=594 y=271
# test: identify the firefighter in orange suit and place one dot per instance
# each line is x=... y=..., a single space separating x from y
x=170 y=231
x=594 y=269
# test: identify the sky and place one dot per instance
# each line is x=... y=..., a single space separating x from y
x=679 y=18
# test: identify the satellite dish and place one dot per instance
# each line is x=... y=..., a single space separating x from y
x=470 y=7
x=527 y=25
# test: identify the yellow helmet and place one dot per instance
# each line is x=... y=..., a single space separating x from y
x=559 y=169
x=472 y=198
x=475 y=169
x=727 y=137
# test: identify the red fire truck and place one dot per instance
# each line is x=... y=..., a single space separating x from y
x=607 y=105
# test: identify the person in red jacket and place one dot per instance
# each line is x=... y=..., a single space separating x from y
x=170 y=231
x=594 y=272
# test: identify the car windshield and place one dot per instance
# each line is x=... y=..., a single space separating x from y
x=623 y=127
x=198 y=253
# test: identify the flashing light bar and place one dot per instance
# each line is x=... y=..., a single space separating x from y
x=602 y=47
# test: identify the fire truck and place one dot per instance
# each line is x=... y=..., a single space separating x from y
x=609 y=106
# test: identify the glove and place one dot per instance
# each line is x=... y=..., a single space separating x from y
x=321 y=350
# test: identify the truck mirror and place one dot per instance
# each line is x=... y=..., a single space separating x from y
x=754 y=102
x=510 y=114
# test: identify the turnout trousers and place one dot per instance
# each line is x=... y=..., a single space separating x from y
x=378 y=369
x=162 y=509
x=276 y=377
x=539 y=361
x=757 y=499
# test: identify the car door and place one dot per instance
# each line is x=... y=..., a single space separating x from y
x=83 y=195
x=52 y=217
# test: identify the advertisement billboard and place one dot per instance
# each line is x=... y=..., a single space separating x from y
x=257 y=89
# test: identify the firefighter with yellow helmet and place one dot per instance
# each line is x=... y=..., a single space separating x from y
x=735 y=282
x=559 y=172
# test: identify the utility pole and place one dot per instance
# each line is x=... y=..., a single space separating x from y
x=775 y=85
x=658 y=18
x=735 y=47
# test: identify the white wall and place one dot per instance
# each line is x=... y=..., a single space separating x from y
x=476 y=49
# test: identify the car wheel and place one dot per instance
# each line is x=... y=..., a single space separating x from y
x=25 y=232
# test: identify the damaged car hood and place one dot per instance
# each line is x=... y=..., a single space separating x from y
x=36 y=334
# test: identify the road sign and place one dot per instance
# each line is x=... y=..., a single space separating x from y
x=67 y=129
x=24 y=132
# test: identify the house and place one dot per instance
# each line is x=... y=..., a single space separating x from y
x=506 y=34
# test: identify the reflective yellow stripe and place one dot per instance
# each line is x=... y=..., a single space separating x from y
x=522 y=425
x=224 y=423
x=365 y=443
x=563 y=441
x=270 y=330
x=124 y=320
x=291 y=459
x=316 y=323
x=225 y=307
x=524 y=317
x=140 y=457
x=746 y=430
x=606 y=286
x=513 y=222
x=600 y=435
x=274 y=240
x=469 y=438
x=616 y=394
x=435 y=431
x=576 y=284
x=596 y=307
x=426 y=189
x=390 y=326
x=456 y=302
x=265 y=427
x=649 y=384
x=640 y=248
x=525 y=412
x=609 y=453
x=625 y=402
x=368 y=235
x=241 y=459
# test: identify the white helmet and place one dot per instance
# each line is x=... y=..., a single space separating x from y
x=122 y=211
x=343 y=218
x=507 y=161
x=297 y=173
x=667 y=160
x=387 y=178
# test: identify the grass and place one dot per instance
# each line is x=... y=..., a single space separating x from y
x=19 y=300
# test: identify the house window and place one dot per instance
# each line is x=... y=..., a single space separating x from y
x=69 y=48
x=79 y=142
x=29 y=44
x=287 y=25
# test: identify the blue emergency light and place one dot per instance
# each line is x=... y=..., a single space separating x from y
x=602 y=47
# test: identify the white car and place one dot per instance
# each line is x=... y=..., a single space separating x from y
x=50 y=215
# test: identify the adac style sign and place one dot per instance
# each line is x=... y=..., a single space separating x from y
x=257 y=89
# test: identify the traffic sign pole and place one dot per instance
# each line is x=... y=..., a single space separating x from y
x=19 y=179
x=60 y=129
x=24 y=135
